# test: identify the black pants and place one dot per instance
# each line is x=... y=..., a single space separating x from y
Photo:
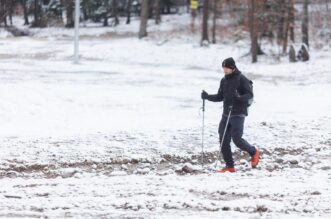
x=235 y=131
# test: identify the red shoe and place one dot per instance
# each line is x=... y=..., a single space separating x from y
x=255 y=158
x=227 y=169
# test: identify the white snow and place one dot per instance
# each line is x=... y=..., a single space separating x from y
x=65 y=127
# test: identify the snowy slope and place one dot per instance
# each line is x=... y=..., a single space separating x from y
x=110 y=137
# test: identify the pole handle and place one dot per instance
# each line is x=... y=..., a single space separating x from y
x=203 y=104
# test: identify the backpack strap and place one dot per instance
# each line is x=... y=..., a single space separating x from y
x=238 y=82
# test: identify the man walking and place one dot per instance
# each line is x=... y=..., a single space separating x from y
x=236 y=93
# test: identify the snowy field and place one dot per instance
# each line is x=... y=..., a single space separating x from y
x=119 y=135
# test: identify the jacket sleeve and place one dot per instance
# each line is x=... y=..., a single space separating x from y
x=246 y=89
x=217 y=97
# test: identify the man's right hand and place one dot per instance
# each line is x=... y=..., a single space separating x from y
x=204 y=95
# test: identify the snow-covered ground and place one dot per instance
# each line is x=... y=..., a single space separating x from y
x=119 y=135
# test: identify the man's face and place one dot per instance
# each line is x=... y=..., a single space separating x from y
x=227 y=70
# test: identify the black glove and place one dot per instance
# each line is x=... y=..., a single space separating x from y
x=204 y=95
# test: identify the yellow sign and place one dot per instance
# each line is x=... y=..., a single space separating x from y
x=194 y=4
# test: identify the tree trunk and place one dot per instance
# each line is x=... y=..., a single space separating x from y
x=287 y=25
x=167 y=4
x=214 y=21
x=25 y=10
x=38 y=15
x=36 y=12
x=304 y=26
x=128 y=17
x=10 y=12
x=253 y=31
x=157 y=11
x=143 y=19
x=85 y=10
x=205 y=12
x=70 y=13
x=4 y=13
x=281 y=21
x=292 y=21
x=115 y=13
x=105 y=21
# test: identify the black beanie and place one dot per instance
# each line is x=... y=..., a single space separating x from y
x=229 y=63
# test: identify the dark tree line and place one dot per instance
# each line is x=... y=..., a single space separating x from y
x=274 y=20
x=42 y=13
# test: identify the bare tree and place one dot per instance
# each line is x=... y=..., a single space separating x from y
x=105 y=19
x=285 y=39
x=10 y=11
x=157 y=6
x=214 y=21
x=3 y=12
x=289 y=25
x=304 y=25
x=39 y=18
x=36 y=12
x=115 y=13
x=253 y=30
x=128 y=16
x=143 y=19
x=327 y=16
x=291 y=21
x=280 y=21
x=205 y=11
x=25 y=11
x=69 y=5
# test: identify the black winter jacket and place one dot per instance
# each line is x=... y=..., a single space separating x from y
x=229 y=85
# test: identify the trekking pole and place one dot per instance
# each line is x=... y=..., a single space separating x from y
x=226 y=127
x=203 y=132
